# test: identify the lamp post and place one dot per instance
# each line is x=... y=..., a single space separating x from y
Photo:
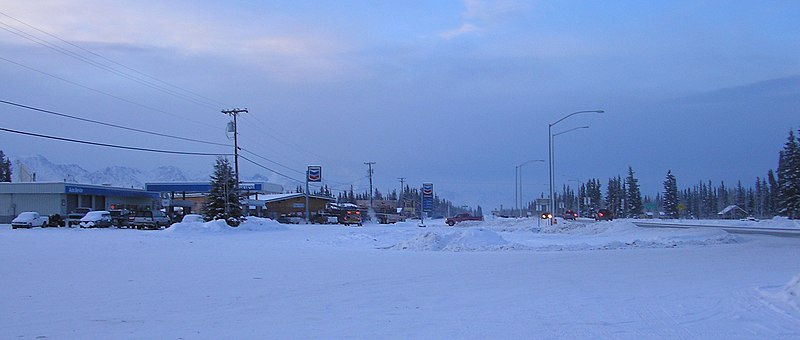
x=550 y=152
x=519 y=183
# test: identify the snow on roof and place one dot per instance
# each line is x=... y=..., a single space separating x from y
x=729 y=208
x=281 y=197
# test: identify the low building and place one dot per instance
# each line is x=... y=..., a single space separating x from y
x=188 y=197
x=278 y=205
x=50 y=198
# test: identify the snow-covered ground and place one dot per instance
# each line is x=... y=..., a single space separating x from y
x=501 y=278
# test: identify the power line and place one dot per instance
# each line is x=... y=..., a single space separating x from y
x=268 y=169
x=198 y=99
x=114 y=146
x=271 y=161
x=103 y=92
x=109 y=124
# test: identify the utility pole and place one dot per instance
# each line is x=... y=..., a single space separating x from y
x=369 y=164
x=234 y=113
x=400 y=195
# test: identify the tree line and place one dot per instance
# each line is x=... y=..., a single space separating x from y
x=776 y=194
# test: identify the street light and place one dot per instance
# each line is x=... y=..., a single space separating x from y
x=518 y=198
x=550 y=151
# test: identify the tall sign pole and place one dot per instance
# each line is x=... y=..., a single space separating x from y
x=313 y=174
x=427 y=202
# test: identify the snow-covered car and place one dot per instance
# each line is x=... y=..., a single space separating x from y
x=96 y=219
x=29 y=219
x=193 y=218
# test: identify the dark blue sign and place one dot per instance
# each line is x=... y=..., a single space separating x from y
x=427 y=197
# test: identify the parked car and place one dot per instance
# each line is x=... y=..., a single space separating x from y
x=324 y=219
x=451 y=221
x=290 y=219
x=74 y=217
x=56 y=221
x=569 y=215
x=193 y=218
x=120 y=217
x=96 y=219
x=29 y=219
x=603 y=215
x=150 y=219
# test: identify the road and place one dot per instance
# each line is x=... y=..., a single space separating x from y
x=783 y=232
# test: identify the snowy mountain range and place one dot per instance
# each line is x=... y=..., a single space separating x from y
x=40 y=169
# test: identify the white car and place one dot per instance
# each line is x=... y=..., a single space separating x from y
x=96 y=219
x=29 y=219
x=193 y=218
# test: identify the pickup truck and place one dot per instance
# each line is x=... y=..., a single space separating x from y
x=29 y=219
x=451 y=221
x=150 y=219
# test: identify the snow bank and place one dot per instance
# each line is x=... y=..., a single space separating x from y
x=219 y=226
x=790 y=294
x=471 y=239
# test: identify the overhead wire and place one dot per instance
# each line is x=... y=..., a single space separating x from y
x=192 y=96
x=113 y=145
x=110 y=124
x=198 y=99
x=103 y=92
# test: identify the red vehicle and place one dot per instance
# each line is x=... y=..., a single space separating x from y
x=451 y=221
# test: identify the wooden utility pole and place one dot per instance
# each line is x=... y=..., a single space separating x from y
x=234 y=113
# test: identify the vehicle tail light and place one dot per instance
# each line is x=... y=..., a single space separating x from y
x=358 y=213
x=600 y=214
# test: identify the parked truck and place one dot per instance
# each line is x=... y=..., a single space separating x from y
x=451 y=221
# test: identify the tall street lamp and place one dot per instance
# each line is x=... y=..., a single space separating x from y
x=518 y=198
x=550 y=152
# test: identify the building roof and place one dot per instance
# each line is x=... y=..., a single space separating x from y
x=282 y=197
x=204 y=187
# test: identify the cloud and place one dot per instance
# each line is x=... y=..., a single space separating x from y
x=464 y=29
x=288 y=52
x=479 y=14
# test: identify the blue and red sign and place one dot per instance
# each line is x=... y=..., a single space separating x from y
x=314 y=173
x=427 y=197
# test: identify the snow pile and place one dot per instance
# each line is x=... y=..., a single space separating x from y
x=219 y=226
x=471 y=239
x=780 y=222
x=791 y=293
x=575 y=227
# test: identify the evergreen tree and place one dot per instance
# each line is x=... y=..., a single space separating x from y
x=773 y=192
x=671 y=196
x=633 y=199
x=5 y=168
x=223 y=201
x=789 y=179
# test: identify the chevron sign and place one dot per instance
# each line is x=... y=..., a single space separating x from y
x=314 y=173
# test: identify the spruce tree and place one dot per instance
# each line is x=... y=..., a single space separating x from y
x=789 y=179
x=223 y=201
x=5 y=168
x=671 y=196
x=633 y=198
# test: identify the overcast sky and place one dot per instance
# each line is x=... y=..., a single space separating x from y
x=452 y=92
